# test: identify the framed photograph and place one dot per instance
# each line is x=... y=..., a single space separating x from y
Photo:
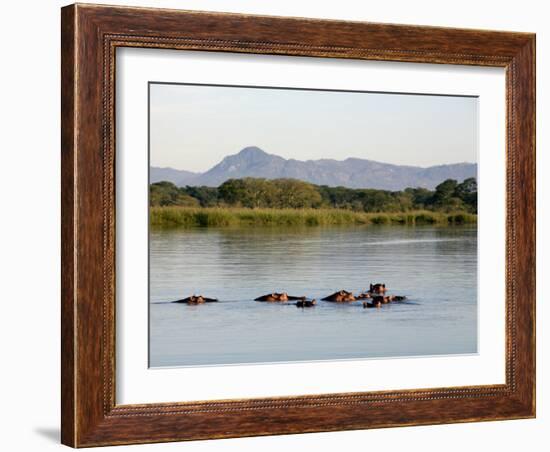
x=282 y=225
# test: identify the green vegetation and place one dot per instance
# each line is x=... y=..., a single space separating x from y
x=175 y=216
x=257 y=202
x=167 y=194
x=254 y=193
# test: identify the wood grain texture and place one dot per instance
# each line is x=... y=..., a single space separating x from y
x=68 y=244
x=90 y=36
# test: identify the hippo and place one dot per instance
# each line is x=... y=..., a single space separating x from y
x=377 y=288
x=372 y=304
x=278 y=297
x=273 y=297
x=398 y=298
x=340 y=296
x=364 y=295
x=306 y=303
x=196 y=299
x=291 y=298
x=381 y=299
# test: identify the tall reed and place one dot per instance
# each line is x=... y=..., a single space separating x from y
x=188 y=217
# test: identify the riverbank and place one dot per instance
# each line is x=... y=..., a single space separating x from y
x=189 y=217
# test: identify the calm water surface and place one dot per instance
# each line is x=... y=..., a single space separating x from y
x=435 y=267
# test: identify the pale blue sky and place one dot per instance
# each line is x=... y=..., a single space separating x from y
x=195 y=127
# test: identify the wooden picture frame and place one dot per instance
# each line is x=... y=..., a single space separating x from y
x=90 y=36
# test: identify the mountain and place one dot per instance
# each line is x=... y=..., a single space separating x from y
x=177 y=177
x=352 y=172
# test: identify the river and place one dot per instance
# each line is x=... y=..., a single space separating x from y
x=435 y=267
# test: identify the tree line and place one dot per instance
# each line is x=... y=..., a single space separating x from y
x=448 y=196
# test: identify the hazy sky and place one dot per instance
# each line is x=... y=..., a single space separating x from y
x=195 y=127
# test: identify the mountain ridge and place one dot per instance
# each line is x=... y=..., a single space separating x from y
x=353 y=172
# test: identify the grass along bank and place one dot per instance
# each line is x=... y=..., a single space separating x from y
x=189 y=217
